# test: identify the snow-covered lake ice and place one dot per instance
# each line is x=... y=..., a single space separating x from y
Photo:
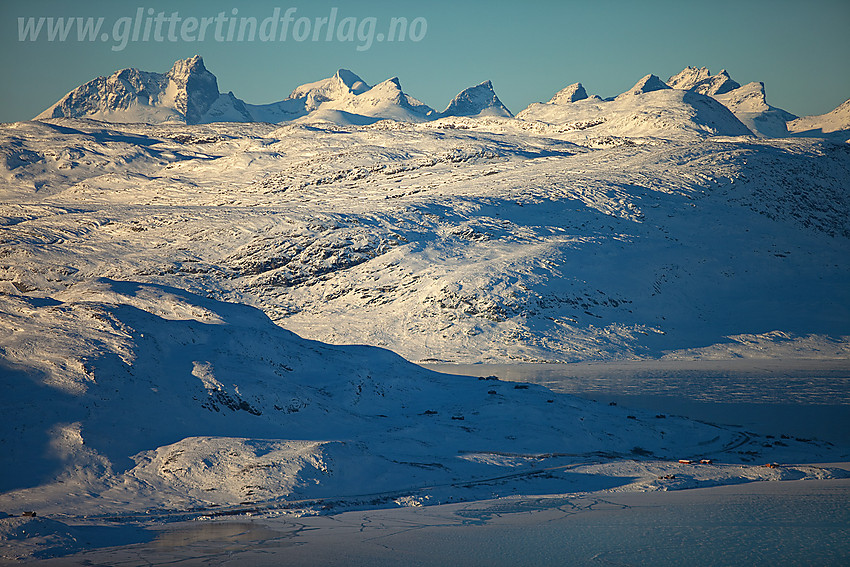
x=804 y=398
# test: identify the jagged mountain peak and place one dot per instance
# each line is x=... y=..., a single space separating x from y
x=351 y=80
x=647 y=84
x=341 y=84
x=702 y=81
x=476 y=101
x=568 y=94
x=389 y=89
x=183 y=68
x=688 y=77
x=196 y=88
x=184 y=94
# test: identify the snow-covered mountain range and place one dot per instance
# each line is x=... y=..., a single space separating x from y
x=183 y=276
x=188 y=94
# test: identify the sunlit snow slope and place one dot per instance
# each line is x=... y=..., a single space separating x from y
x=448 y=241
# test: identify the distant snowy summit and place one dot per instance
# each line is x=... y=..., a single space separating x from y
x=480 y=100
x=648 y=84
x=189 y=94
x=747 y=102
x=702 y=81
x=648 y=109
x=691 y=103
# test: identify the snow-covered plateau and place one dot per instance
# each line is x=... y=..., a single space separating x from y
x=212 y=319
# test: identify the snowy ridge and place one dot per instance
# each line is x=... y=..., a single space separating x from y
x=657 y=113
x=834 y=124
x=747 y=102
x=187 y=93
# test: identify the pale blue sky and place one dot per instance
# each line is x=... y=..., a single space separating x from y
x=529 y=49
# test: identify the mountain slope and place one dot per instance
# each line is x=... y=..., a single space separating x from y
x=310 y=97
x=384 y=100
x=834 y=124
x=747 y=103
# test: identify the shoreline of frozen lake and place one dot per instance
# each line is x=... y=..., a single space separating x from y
x=789 y=522
x=798 y=397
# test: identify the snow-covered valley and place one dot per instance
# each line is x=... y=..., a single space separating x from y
x=200 y=320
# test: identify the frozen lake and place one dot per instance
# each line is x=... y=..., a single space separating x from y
x=779 y=523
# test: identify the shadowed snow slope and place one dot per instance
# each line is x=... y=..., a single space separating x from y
x=122 y=396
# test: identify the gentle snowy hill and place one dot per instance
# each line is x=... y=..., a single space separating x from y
x=494 y=246
x=480 y=100
x=834 y=124
x=153 y=278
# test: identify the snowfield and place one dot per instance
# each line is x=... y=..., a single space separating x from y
x=199 y=320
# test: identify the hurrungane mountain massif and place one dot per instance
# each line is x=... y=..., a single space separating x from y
x=210 y=307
